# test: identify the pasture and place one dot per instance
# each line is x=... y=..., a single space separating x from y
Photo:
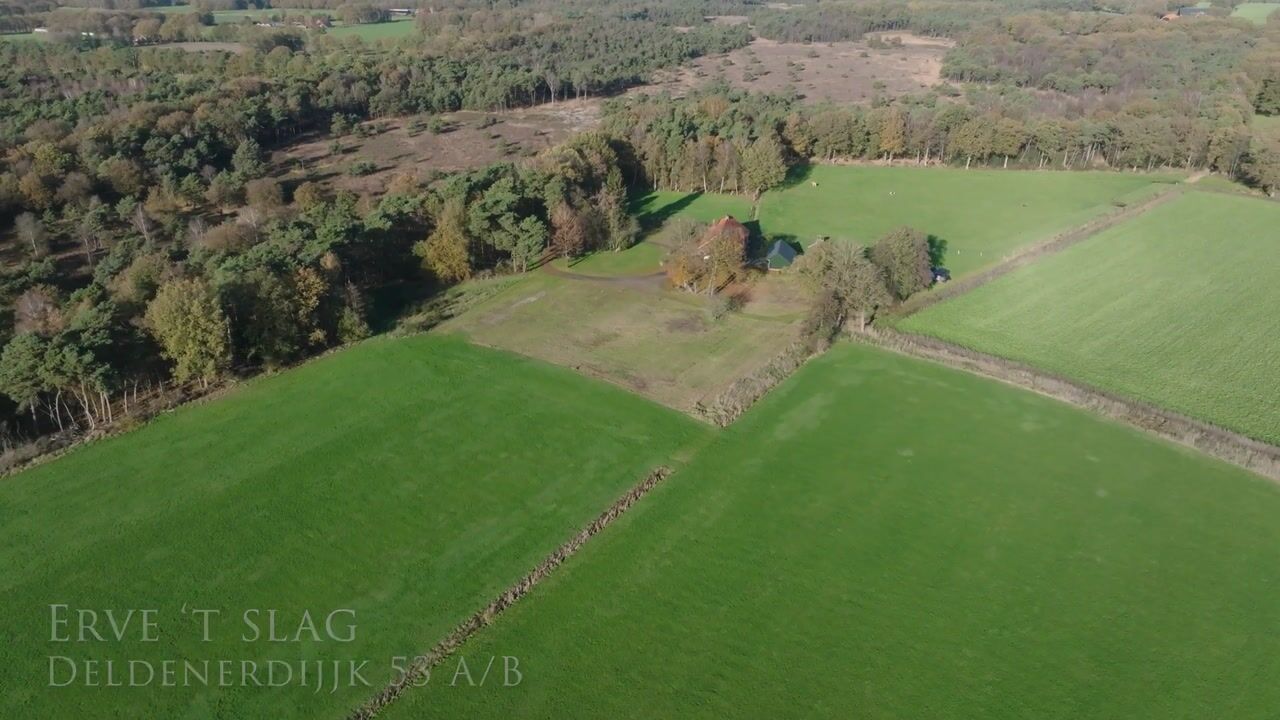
x=1175 y=307
x=1256 y=11
x=643 y=258
x=663 y=344
x=884 y=537
x=408 y=480
x=981 y=215
x=373 y=32
x=655 y=208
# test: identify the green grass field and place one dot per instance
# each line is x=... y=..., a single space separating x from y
x=657 y=207
x=1255 y=11
x=1267 y=122
x=641 y=259
x=1218 y=183
x=983 y=215
x=409 y=480
x=1176 y=307
x=887 y=538
x=391 y=30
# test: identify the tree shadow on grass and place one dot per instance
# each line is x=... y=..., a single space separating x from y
x=796 y=175
x=937 y=251
x=653 y=219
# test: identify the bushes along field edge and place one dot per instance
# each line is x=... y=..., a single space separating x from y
x=486 y=615
x=1240 y=450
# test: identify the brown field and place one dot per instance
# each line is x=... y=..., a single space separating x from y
x=661 y=343
x=405 y=145
x=231 y=47
x=839 y=73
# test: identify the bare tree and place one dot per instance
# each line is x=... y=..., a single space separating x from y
x=31 y=232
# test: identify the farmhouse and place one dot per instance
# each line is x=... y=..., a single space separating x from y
x=725 y=227
x=780 y=256
x=1185 y=12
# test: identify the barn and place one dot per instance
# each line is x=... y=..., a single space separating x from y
x=780 y=256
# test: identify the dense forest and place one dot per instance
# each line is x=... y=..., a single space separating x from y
x=146 y=241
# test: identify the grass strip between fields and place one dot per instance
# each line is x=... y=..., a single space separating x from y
x=423 y=664
x=1239 y=450
x=1027 y=255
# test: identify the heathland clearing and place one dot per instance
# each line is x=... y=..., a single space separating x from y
x=876 y=513
x=839 y=72
x=1176 y=307
x=406 y=145
x=408 y=480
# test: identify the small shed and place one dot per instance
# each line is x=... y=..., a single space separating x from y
x=940 y=274
x=780 y=256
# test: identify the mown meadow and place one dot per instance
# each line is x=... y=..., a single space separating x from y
x=884 y=537
x=408 y=480
x=1176 y=307
x=981 y=215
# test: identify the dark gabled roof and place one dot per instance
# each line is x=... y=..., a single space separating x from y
x=780 y=254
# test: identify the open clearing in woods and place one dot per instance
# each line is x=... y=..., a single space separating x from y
x=1257 y=12
x=895 y=537
x=405 y=145
x=840 y=72
x=409 y=480
x=981 y=215
x=663 y=344
x=1176 y=307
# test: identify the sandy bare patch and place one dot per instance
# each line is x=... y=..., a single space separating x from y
x=405 y=145
x=841 y=72
x=231 y=47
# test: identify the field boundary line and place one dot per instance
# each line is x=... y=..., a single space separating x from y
x=1240 y=450
x=1031 y=253
x=422 y=666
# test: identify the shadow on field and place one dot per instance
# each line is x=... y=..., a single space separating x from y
x=655 y=218
x=937 y=251
x=797 y=175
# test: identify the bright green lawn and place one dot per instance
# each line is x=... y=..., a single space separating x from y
x=25 y=37
x=641 y=259
x=409 y=480
x=1177 y=307
x=1219 y=183
x=1256 y=11
x=393 y=29
x=656 y=207
x=887 y=538
x=982 y=215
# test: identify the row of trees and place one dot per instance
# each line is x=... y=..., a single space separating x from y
x=724 y=140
